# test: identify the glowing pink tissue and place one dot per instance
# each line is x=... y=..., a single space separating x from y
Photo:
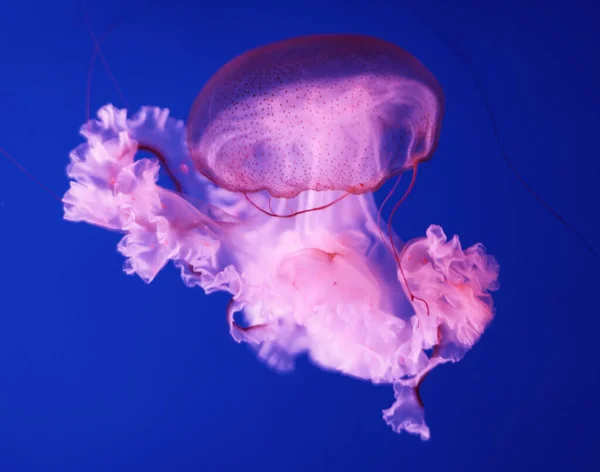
x=274 y=204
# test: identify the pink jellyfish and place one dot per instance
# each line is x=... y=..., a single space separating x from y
x=275 y=176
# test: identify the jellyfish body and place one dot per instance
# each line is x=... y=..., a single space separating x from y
x=323 y=282
x=324 y=112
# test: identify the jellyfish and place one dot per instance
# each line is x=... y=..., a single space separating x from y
x=274 y=177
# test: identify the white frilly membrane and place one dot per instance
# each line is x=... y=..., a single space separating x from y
x=321 y=283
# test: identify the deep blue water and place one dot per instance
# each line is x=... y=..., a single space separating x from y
x=101 y=372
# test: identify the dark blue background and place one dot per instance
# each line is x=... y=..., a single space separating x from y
x=99 y=371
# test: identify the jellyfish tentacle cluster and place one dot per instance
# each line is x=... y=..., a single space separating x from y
x=322 y=283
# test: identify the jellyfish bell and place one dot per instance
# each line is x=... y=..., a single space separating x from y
x=325 y=112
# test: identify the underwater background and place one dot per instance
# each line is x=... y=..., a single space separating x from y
x=101 y=372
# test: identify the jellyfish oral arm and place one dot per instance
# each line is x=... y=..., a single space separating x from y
x=324 y=282
x=111 y=189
